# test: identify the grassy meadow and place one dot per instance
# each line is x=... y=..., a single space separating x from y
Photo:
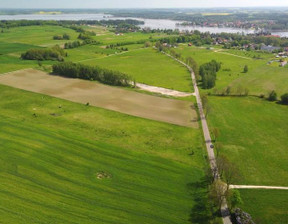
x=253 y=133
x=54 y=149
x=260 y=79
x=150 y=67
x=266 y=206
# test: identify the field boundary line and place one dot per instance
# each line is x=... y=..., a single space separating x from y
x=257 y=187
x=7 y=73
x=221 y=52
x=124 y=52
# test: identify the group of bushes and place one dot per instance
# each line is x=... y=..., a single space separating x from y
x=208 y=72
x=77 y=43
x=112 y=46
x=72 y=70
x=86 y=35
x=61 y=37
x=272 y=96
x=55 y=54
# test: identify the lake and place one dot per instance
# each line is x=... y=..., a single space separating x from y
x=151 y=23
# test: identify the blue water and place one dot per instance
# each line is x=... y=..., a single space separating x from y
x=151 y=23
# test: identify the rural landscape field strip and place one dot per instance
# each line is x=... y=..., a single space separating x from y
x=81 y=91
x=59 y=177
x=266 y=206
x=254 y=137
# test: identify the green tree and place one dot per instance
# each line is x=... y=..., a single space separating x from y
x=234 y=199
x=284 y=98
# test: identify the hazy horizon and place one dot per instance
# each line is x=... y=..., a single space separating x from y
x=139 y=4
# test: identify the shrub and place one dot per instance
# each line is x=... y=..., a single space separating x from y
x=272 y=96
x=284 y=98
x=245 y=70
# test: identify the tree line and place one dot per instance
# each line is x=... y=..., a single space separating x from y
x=106 y=76
x=55 y=53
x=72 y=23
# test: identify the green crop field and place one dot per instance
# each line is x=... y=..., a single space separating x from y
x=266 y=206
x=253 y=132
x=260 y=79
x=150 y=67
x=36 y=35
x=56 y=154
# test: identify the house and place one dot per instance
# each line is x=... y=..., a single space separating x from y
x=282 y=64
x=269 y=48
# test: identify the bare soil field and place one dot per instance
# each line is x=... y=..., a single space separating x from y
x=113 y=98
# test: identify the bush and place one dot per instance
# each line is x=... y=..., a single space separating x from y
x=284 y=98
x=242 y=217
x=63 y=37
x=72 y=70
x=245 y=70
x=272 y=96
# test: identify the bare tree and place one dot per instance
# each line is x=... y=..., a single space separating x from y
x=218 y=192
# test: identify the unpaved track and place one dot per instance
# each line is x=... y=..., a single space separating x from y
x=164 y=91
x=238 y=56
x=224 y=208
x=172 y=111
x=257 y=187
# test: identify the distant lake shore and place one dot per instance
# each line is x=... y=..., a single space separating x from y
x=149 y=23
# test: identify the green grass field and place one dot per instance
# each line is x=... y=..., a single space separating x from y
x=260 y=79
x=266 y=206
x=149 y=67
x=36 y=35
x=253 y=132
x=55 y=158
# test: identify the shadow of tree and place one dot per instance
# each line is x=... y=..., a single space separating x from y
x=201 y=212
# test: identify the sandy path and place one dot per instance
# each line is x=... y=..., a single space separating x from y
x=224 y=208
x=164 y=91
x=257 y=187
x=221 y=52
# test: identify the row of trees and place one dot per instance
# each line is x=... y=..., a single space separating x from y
x=72 y=70
x=55 y=54
x=232 y=91
x=208 y=73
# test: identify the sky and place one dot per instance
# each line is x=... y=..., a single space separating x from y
x=138 y=3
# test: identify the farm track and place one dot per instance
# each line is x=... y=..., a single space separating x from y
x=221 y=52
x=224 y=208
x=257 y=187
x=163 y=91
x=111 y=55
